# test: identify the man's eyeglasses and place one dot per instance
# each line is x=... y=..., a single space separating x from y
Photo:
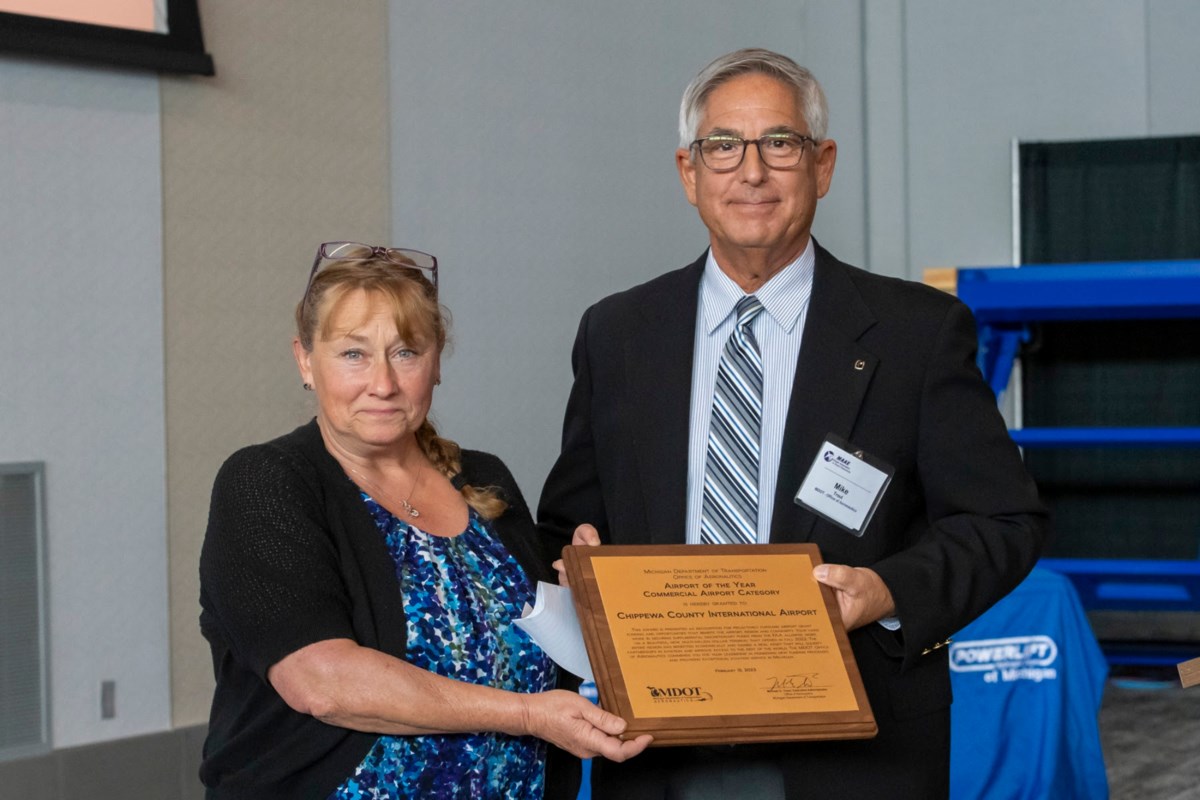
x=355 y=251
x=724 y=153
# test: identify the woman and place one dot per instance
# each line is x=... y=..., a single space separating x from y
x=360 y=575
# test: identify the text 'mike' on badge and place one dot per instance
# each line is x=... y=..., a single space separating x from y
x=844 y=485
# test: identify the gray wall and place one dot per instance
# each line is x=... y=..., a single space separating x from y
x=1067 y=70
x=531 y=148
x=81 y=376
x=158 y=232
x=533 y=152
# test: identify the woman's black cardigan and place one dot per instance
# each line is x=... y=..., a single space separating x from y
x=292 y=557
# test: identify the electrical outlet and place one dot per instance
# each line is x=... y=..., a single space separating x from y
x=108 y=699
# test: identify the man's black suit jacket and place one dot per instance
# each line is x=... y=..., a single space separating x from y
x=888 y=365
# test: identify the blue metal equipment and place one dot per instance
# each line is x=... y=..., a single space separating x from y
x=1006 y=301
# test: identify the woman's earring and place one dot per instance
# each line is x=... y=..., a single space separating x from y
x=308 y=387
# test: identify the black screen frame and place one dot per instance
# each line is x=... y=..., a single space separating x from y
x=181 y=50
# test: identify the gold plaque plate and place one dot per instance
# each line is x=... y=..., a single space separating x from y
x=718 y=644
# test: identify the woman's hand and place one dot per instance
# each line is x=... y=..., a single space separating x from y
x=355 y=687
x=580 y=727
x=584 y=534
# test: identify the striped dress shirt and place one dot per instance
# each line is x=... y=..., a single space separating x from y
x=778 y=331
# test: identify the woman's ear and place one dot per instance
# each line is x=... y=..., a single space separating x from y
x=302 y=362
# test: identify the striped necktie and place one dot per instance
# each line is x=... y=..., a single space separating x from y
x=730 y=509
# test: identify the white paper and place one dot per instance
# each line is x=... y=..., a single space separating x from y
x=553 y=626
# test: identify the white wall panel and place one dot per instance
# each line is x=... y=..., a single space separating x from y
x=980 y=74
x=1173 y=52
x=81 y=376
x=833 y=50
x=885 y=152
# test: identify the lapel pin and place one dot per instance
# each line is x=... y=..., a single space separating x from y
x=859 y=364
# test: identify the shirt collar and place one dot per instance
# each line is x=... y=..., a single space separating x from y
x=784 y=296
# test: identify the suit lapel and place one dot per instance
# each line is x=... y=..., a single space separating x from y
x=832 y=375
x=658 y=355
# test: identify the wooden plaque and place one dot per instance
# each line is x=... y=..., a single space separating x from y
x=1189 y=671
x=718 y=644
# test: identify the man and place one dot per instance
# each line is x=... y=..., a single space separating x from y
x=695 y=417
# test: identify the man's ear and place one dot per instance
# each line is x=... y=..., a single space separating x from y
x=825 y=156
x=687 y=173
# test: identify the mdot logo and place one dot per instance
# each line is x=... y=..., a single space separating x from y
x=1010 y=653
x=678 y=694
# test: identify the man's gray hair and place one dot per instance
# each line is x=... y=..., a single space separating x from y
x=744 y=62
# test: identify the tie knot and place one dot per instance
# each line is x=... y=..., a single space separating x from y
x=747 y=309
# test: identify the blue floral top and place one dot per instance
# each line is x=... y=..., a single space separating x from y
x=460 y=595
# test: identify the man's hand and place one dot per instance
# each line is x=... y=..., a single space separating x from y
x=584 y=534
x=862 y=595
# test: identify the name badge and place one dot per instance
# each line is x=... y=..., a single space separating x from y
x=844 y=485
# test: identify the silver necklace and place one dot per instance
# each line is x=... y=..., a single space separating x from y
x=405 y=504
